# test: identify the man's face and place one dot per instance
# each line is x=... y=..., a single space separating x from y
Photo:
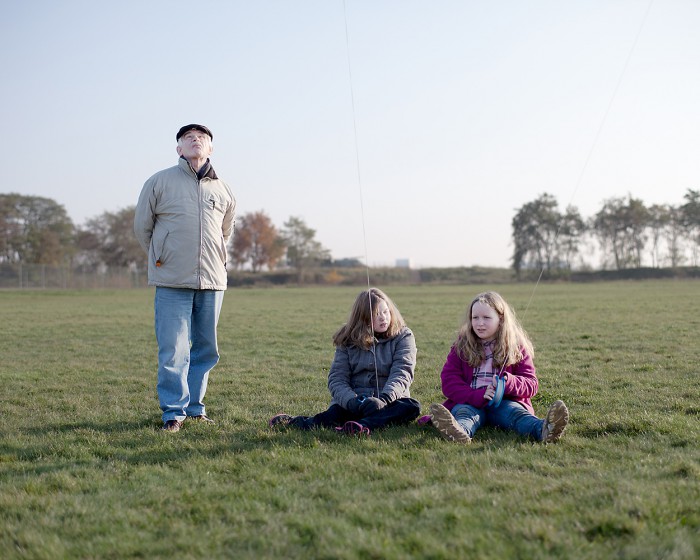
x=194 y=144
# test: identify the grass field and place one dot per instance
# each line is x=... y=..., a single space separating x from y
x=85 y=471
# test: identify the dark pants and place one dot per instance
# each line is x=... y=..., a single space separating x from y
x=401 y=411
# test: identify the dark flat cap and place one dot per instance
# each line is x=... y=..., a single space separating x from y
x=189 y=127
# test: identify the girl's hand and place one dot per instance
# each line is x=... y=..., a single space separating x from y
x=491 y=389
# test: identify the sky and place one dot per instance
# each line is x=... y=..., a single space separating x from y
x=418 y=134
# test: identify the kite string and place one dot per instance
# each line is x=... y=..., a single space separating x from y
x=577 y=184
x=595 y=140
x=357 y=149
x=359 y=185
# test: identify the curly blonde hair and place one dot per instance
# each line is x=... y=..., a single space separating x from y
x=358 y=330
x=510 y=341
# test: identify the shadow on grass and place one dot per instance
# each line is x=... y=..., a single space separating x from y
x=112 y=427
x=419 y=437
x=139 y=442
x=615 y=428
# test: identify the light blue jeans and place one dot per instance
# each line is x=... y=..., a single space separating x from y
x=187 y=348
x=509 y=415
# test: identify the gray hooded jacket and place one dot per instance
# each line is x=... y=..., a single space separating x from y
x=352 y=372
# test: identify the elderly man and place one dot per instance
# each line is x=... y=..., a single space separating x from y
x=184 y=219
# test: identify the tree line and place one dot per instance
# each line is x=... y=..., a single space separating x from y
x=624 y=232
x=37 y=230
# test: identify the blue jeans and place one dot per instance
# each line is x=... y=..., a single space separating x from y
x=509 y=415
x=185 y=323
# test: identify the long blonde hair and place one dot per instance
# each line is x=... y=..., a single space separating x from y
x=510 y=341
x=358 y=330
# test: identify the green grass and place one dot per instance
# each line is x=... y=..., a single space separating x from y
x=86 y=473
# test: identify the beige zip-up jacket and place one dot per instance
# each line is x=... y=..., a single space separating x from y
x=184 y=224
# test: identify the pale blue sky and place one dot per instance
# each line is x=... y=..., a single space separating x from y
x=464 y=110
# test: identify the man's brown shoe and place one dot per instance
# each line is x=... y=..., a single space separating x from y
x=202 y=418
x=172 y=426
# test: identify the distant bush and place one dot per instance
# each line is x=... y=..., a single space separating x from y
x=466 y=275
x=357 y=276
x=636 y=274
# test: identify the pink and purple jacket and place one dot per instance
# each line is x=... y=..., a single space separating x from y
x=521 y=383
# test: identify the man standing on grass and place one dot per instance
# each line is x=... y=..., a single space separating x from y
x=184 y=219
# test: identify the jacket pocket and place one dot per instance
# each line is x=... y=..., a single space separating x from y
x=157 y=246
x=215 y=204
x=223 y=253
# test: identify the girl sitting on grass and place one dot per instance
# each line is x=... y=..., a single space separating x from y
x=489 y=378
x=371 y=373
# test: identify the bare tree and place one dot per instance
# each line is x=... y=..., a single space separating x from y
x=303 y=251
x=571 y=231
x=690 y=213
x=109 y=238
x=620 y=227
x=659 y=218
x=543 y=238
x=673 y=233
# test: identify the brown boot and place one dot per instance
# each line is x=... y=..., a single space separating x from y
x=555 y=422
x=446 y=424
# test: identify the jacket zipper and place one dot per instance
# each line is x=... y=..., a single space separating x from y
x=201 y=232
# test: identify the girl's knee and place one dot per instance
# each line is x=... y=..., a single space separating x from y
x=406 y=403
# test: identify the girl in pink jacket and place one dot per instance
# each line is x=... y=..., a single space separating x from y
x=489 y=378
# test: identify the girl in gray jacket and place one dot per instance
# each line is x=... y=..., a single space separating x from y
x=371 y=373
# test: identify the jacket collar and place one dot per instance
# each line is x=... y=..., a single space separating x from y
x=206 y=171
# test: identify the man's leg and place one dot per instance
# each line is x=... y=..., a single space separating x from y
x=173 y=308
x=204 y=353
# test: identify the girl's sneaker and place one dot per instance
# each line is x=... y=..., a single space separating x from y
x=424 y=420
x=280 y=420
x=446 y=424
x=555 y=422
x=353 y=428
